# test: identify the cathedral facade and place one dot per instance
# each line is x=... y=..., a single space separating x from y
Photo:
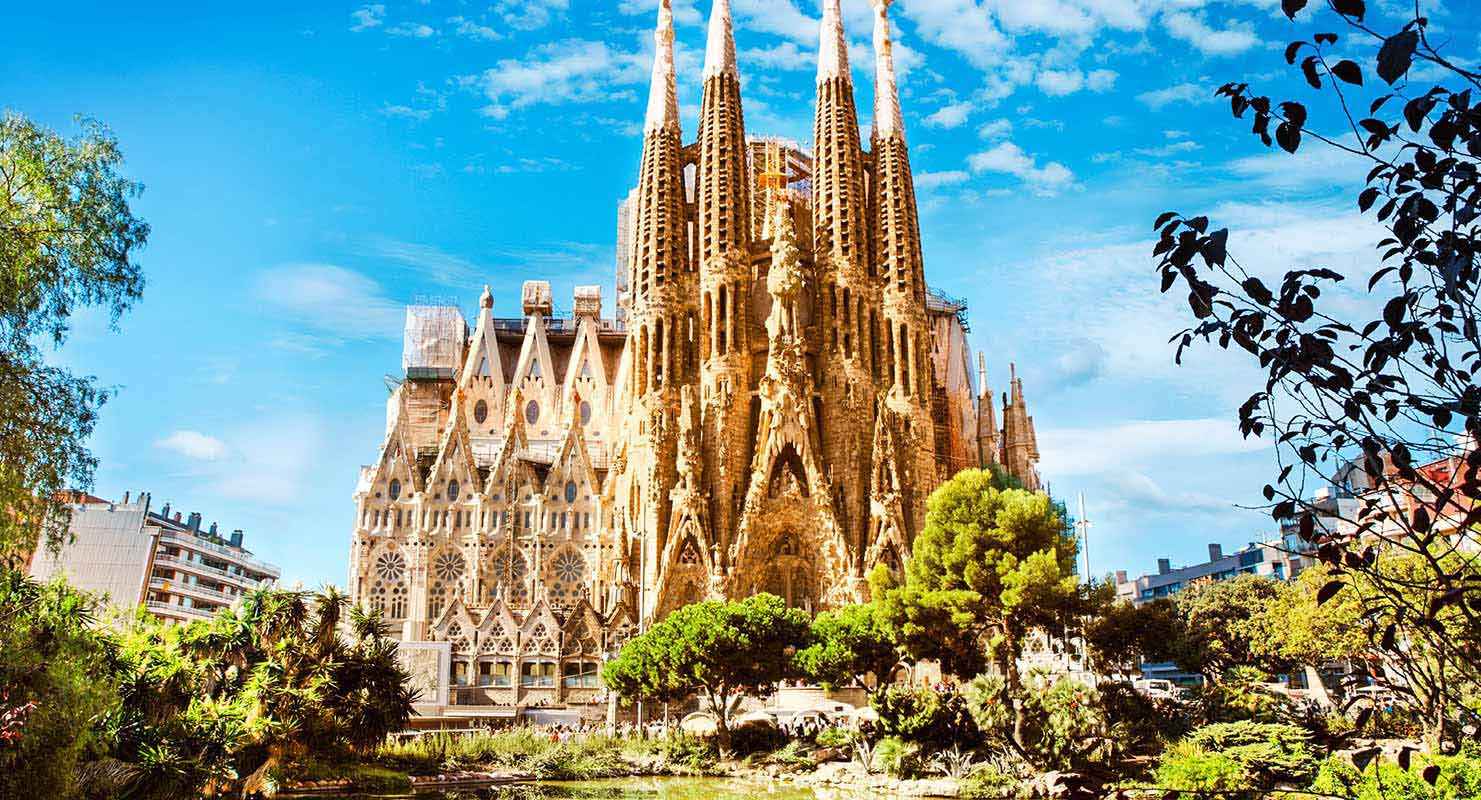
x=767 y=411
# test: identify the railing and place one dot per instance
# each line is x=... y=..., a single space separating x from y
x=171 y=608
x=235 y=554
x=167 y=585
x=168 y=560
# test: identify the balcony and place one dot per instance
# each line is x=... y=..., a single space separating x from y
x=164 y=560
x=181 y=587
x=172 y=610
x=231 y=554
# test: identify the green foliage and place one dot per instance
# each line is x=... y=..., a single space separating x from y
x=1238 y=756
x=1293 y=628
x=1459 y=778
x=67 y=237
x=719 y=650
x=849 y=645
x=1242 y=695
x=54 y=672
x=1141 y=724
x=932 y=718
x=897 y=758
x=1121 y=635
x=988 y=782
x=1221 y=623
x=1066 y=728
x=990 y=564
x=1191 y=768
x=835 y=737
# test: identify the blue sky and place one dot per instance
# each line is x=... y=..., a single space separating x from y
x=312 y=167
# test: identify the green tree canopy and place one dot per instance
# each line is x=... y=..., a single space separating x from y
x=850 y=644
x=718 y=650
x=67 y=239
x=1221 y=623
x=991 y=564
x=1121 y=635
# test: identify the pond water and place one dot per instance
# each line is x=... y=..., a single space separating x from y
x=637 y=789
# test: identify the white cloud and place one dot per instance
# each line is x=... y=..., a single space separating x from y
x=1100 y=80
x=949 y=116
x=1177 y=93
x=194 y=445
x=1170 y=149
x=784 y=56
x=685 y=12
x=1193 y=29
x=996 y=129
x=368 y=16
x=778 y=17
x=272 y=462
x=569 y=71
x=1010 y=159
x=468 y=29
x=928 y=181
x=529 y=15
x=334 y=303
x=1083 y=451
x=413 y=30
x=1058 y=83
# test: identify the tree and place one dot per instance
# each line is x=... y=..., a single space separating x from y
x=990 y=565
x=67 y=239
x=1294 y=628
x=851 y=645
x=1368 y=394
x=1121 y=635
x=718 y=650
x=1218 y=619
x=54 y=671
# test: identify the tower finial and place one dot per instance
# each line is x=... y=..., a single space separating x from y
x=832 y=47
x=720 y=47
x=887 y=119
x=663 y=94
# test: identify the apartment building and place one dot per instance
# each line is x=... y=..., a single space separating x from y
x=131 y=554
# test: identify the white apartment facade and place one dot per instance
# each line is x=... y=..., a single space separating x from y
x=132 y=555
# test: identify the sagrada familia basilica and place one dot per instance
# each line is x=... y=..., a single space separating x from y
x=768 y=413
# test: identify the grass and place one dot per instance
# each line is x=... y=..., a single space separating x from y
x=529 y=751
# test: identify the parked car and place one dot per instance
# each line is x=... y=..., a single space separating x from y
x=1156 y=688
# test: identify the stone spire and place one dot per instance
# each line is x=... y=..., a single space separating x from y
x=1020 y=442
x=720 y=47
x=832 y=46
x=887 y=119
x=987 y=419
x=663 y=93
x=723 y=240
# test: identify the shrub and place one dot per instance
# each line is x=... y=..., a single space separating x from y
x=989 y=783
x=1141 y=723
x=1237 y=756
x=756 y=738
x=896 y=757
x=932 y=718
x=1188 y=767
x=1242 y=695
x=835 y=737
x=1459 y=779
x=1271 y=752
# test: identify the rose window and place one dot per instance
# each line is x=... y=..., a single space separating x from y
x=569 y=572
x=449 y=566
x=390 y=566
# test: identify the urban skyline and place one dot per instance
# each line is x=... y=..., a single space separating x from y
x=380 y=159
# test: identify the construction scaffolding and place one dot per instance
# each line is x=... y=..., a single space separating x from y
x=434 y=341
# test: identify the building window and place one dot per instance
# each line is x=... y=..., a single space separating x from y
x=585 y=412
x=579 y=674
x=495 y=673
x=452 y=490
x=537 y=674
x=532 y=412
x=570 y=491
x=395 y=488
x=480 y=411
x=460 y=673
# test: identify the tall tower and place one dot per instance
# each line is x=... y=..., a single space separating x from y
x=897 y=250
x=723 y=233
x=847 y=299
x=662 y=356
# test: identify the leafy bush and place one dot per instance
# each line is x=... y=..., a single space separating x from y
x=931 y=718
x=896 y=757
x=989 y=783
x=1188 y=767
x=1231 y=756
x=1240 y=695
x=756 y=738
x=836 y=737
x=1459 y=779
x=1141 y=723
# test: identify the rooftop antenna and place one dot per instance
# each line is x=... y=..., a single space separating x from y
x=1082 y=525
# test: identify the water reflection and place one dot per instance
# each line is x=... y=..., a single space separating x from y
x=635 y=789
